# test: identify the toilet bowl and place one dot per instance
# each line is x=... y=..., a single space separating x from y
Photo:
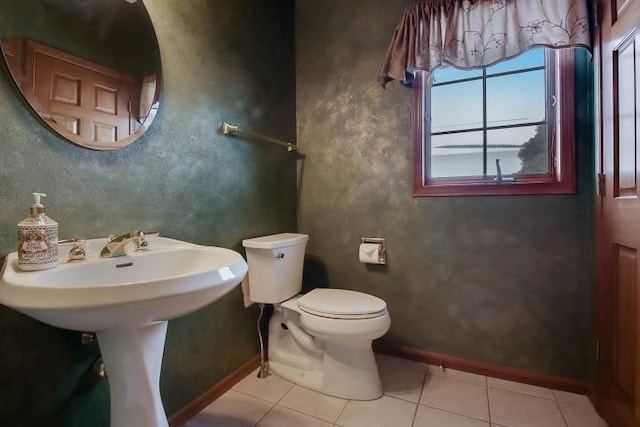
x=320 y=340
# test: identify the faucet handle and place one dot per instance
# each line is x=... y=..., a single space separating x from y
x=77 y=251
x=141 y=243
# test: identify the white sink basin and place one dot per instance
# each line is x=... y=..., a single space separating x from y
x=171 y=279
x=127 y=300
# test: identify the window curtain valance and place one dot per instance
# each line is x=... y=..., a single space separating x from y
x=477 y=33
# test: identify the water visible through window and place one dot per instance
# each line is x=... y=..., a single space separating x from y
x=479 y=118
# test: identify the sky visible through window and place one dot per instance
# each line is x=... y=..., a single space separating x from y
x=511 y=99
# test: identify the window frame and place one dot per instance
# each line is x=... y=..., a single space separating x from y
x=560 y=180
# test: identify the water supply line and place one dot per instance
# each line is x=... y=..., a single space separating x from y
x=264 y=365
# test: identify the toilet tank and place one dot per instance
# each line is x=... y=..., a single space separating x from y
x=275 y=266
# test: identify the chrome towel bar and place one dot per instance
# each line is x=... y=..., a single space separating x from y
x=228 y=129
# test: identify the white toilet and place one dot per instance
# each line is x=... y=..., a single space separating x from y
x=320 y=340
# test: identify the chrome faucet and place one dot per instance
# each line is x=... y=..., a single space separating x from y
x=117 y=245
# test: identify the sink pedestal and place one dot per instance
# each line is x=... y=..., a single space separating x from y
x=132 y=359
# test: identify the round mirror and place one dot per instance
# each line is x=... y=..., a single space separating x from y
x=90 y=69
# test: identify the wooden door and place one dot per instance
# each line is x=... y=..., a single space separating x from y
x=618 y=211
x=78 y=96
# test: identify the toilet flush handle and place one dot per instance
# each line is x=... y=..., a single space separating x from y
x=279 y=256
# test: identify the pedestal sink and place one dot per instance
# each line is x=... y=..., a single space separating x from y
x=127 y=301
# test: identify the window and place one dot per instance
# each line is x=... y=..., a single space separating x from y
x=503 y=129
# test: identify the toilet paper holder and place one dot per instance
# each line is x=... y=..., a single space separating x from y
x=382 y=255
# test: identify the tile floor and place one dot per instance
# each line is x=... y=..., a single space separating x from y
x=416 y=395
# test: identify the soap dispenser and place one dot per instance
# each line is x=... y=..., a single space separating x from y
x=37 y=239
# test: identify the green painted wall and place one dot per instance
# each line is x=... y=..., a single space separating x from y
x=182 y=178
x=504 y=280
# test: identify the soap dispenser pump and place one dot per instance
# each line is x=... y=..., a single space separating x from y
x=37 y=239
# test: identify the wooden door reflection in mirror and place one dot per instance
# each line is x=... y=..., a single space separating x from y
x=89 y=70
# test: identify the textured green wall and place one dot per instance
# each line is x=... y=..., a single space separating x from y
x=181 y=178
x=505 y=280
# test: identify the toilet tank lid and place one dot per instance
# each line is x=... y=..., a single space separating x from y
x=275 y=241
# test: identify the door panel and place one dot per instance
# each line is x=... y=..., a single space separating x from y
x=624 y=64
x=65 y=89
x=618 y=211
x=624 y=324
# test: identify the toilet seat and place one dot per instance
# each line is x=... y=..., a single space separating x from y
x=342 y=304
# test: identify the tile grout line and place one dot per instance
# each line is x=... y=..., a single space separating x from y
x=415 y=411
x=525 y=394
x=261 y=398
x=265 y=415
x=451 y=411
x=312 y=416
x=341 y=412
x=249 y=395
x=273 y=404
x=486 y=390
x=564 y=418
